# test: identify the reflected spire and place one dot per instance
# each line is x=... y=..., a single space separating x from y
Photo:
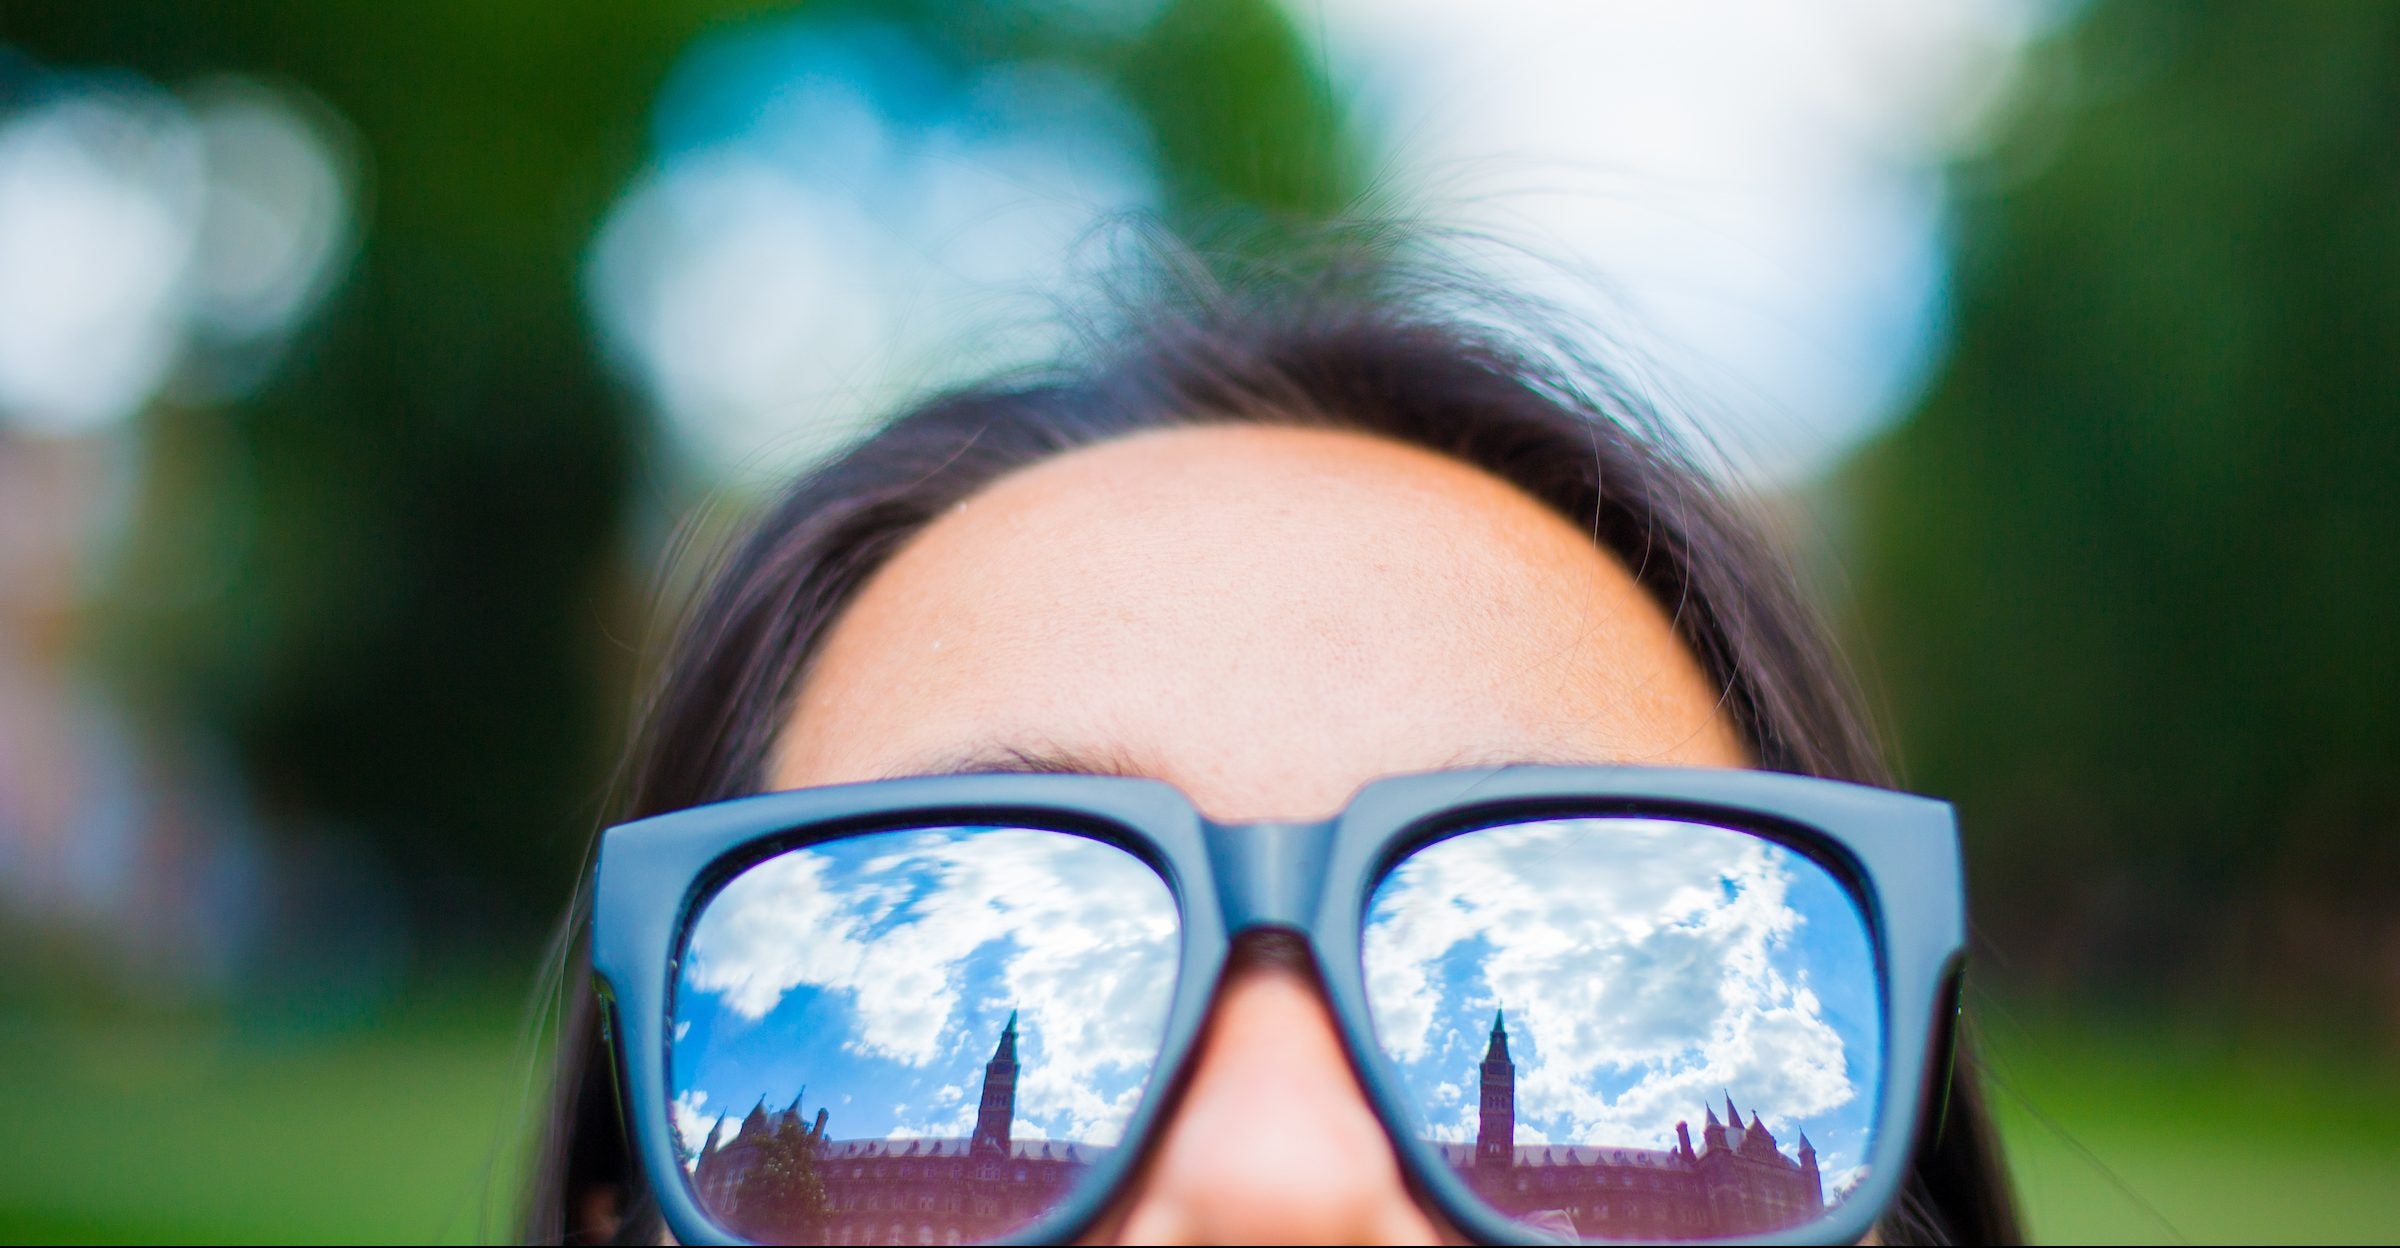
x=1007 y=1052
x=998 y=1110
x=1757 y=1141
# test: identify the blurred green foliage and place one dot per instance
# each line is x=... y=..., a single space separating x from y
x=2130 y=575
x=396 y=577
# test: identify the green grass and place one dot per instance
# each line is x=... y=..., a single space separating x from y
x=2138 y=1134
x=187 y=1130
x=178 y=1130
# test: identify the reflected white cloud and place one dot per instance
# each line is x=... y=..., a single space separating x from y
x=911 y=935
x=1645 y=966
x=693 y=1123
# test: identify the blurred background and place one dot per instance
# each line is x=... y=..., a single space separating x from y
x=363 y=369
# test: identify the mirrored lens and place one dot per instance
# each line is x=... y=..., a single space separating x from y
x=1631 y=1028
x=924 y=1036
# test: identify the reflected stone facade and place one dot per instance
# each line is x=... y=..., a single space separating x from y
x=1737 y=1182
x=892 y=1191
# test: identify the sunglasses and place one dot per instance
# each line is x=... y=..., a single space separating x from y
x=953 y=1009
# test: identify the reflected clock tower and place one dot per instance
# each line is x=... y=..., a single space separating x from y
x=1496 y=1130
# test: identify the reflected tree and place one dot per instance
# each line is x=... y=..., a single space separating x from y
x=780 y=1196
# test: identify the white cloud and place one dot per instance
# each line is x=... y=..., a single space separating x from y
x=771 y=930
x=693 y=1125
x=1084 y=935
x=1633 y=955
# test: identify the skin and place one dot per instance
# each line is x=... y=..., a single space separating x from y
x=1266 y=618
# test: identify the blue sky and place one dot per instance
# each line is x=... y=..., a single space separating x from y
x=878 y=972
x=1647 y=968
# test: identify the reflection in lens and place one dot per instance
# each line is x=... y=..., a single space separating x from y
x=1650 y=970
x=923 y=1036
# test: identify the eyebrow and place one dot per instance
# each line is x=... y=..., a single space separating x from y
x=1472 y=759
x=1037 y=760
x=1000 y=758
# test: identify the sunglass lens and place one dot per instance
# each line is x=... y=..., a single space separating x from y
x=918 y=1036
x=1631 y=1028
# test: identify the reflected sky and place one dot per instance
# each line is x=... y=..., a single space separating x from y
x=1647 y=967
x=879 y=970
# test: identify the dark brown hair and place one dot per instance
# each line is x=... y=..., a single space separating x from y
x=1416 y=365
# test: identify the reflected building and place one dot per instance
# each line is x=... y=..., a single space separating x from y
x=781 y=1179
x=921 y=1190
x=1738 y=1181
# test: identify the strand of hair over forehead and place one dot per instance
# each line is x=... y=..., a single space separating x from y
x=1152 y=298
x=1197 y=321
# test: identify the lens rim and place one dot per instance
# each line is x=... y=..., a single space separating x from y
x=1841 y=868
x=733 y=866
x=708 y=846
x=1899 y=853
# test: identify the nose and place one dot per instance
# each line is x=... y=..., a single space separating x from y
x=1273 y=1140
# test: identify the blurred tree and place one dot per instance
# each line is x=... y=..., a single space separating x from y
x=424 y=518
x=2132 y=572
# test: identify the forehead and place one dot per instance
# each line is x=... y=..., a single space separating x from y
x=1266 y=617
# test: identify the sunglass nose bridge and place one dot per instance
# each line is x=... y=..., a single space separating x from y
x=1269 y=874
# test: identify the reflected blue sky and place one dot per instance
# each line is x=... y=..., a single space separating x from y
x=1647 y=967
x=878 y=972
